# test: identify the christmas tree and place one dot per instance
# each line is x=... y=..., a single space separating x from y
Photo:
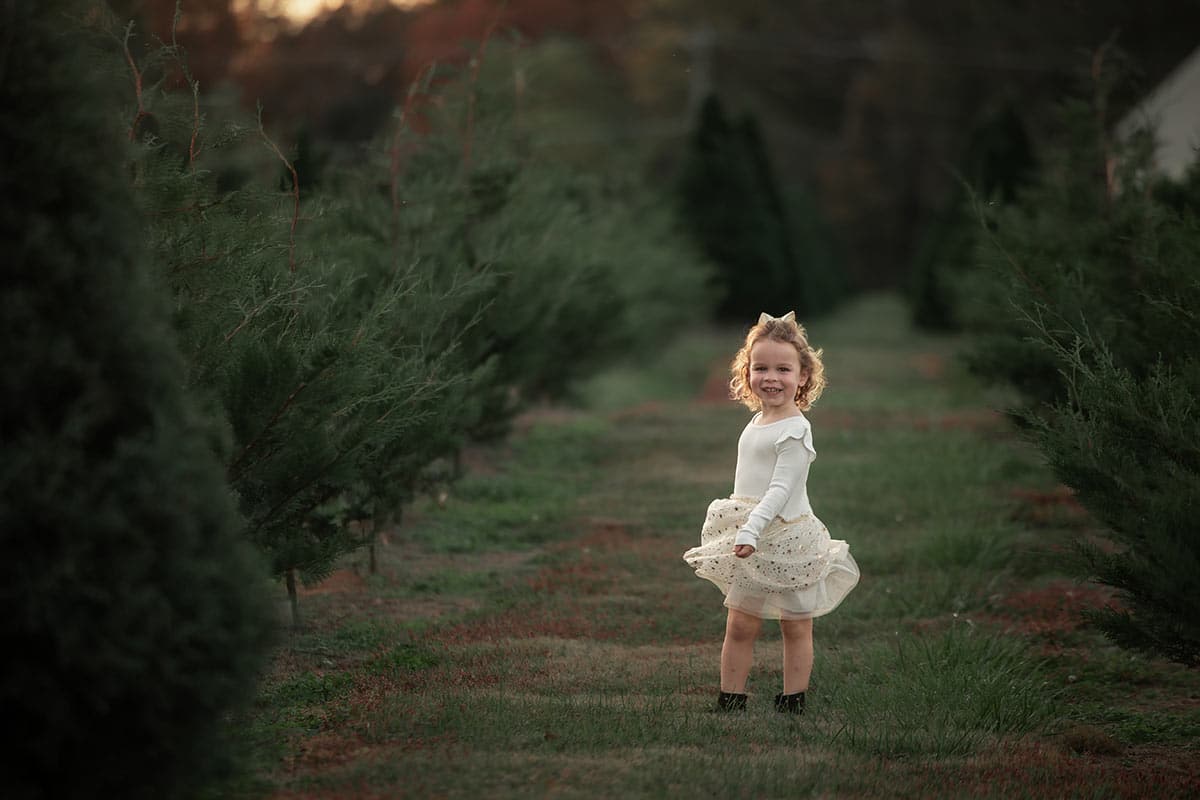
x=1088 y=306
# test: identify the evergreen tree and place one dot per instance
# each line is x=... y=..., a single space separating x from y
x=822 y=282
x=566 y=268
x=1089 y=308
x=1182 y=195
x=1126 y=435
x=1130 y=449
x=1074 y=245
x=998 y=162
x=767 y=235
x=735 y=212
x=134 y=613
x=319 y=376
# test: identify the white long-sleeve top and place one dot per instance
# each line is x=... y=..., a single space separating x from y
x=772 y=465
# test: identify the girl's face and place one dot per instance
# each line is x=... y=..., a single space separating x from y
x=775 y=374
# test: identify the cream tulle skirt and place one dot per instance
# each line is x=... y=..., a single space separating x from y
x=796 y=572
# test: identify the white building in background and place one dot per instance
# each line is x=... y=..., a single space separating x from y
x=1174 y=109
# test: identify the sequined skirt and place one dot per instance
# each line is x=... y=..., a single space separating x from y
x=796 y=572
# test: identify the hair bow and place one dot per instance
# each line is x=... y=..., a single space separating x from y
x=765 y=317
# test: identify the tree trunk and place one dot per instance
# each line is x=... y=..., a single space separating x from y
x=371 y=563
x=292 y=597
x=379 y=521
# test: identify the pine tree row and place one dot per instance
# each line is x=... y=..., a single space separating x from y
x=353 y=338
x=208 y=366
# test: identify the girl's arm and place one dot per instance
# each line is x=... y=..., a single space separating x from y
x=793 y=455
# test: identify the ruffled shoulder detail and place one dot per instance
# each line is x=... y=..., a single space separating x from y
x=800 y=429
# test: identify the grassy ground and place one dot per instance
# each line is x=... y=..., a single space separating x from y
x=535 y=633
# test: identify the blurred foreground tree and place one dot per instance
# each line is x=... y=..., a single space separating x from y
x=135 y=615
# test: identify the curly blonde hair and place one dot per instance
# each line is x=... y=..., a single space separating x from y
x=778 y=330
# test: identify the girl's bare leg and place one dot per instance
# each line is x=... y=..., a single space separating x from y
x=797 y=654
x=737 y=654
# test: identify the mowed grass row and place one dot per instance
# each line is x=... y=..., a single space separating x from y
x=536 y=633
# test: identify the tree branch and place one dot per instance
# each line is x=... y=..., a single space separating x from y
x=295 y=191
x=137 y=83
x=476 y=62
x=270 y=424
x=259 y=309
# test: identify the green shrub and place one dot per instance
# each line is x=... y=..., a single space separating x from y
x=1075 y=247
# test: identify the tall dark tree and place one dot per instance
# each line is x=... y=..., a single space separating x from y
x=734 y=210
x=134 y=618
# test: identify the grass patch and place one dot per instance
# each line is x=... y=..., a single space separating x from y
x=345 y=640
x=526 y=495
x=983 y=545
x=1141 y=727
x=308 y=689
x=940 y=695
x=936 y=695
x=405 y=659
x=451 y=581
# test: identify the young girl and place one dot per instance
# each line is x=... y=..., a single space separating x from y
x=762 y=546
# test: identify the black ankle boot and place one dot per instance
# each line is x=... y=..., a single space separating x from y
x=790 y=703
x=730 y=701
